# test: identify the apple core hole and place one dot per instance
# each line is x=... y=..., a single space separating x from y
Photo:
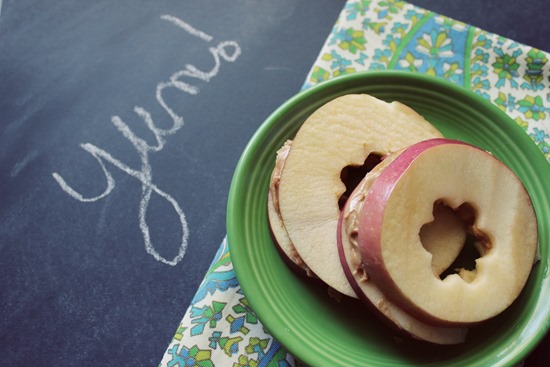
x=476 y=245
x=352 y=175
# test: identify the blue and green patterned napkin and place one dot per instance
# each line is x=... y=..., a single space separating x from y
x=219 y=328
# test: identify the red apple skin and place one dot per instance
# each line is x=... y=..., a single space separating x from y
x=370 y=232
x=379 y=313
x=355 y=286
x=353 y=282
x=383 y=187
x=376 y=311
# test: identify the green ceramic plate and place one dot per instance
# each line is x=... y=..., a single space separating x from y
x=322 y=332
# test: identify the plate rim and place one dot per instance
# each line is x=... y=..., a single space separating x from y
x=266 y=127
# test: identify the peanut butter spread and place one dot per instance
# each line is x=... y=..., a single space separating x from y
x=280 y=160
x=352 y=213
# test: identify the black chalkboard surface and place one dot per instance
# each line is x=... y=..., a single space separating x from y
x=120 y=125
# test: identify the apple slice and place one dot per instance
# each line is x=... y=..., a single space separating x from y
x=276 y=225
x=444 y=237
x=501 y=217
x=341 y=133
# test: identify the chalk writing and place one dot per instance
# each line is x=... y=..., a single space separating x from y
x=227 y=51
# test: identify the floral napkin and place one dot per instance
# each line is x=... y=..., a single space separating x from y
x=219 y=328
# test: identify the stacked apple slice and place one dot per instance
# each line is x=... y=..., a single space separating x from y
x=406 y=221
x=497 y=211
x=341 y=133
x=444 y=238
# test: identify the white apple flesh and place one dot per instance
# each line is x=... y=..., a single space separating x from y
x=276 y=225
x=444 y=237
x=401 y=200
x=341 y=133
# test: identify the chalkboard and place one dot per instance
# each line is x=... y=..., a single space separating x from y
x=121 y=123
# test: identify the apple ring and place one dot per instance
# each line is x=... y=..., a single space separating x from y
x=446 y=227
x=341 y=133
x=401 y=200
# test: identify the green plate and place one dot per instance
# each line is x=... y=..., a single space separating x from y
x=322 y=332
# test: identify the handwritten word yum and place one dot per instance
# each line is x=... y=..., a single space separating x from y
x=227 y=51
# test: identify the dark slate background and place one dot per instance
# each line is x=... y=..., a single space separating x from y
x=77 y=286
